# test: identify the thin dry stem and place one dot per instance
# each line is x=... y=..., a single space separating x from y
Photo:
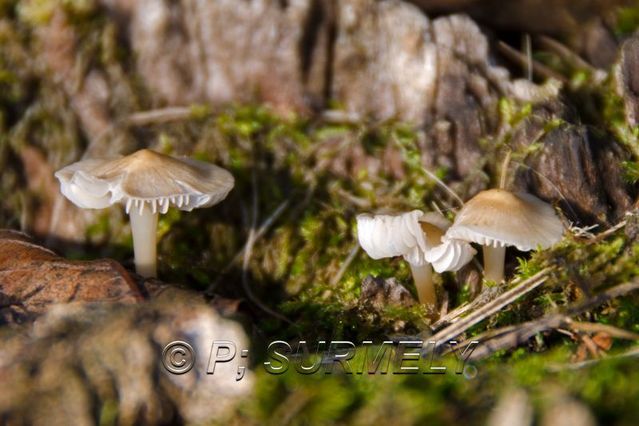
x=491 y=308
x=504 y=170
x=512 y=336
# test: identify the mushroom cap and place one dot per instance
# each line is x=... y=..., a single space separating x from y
x=145 y=177
x=409 y=235
x=501 y=218
x=450 y=255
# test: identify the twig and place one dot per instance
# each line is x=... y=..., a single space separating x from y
x=555 y=368
x=485 y=336
x=362 y=203
x=444 y=186
x=508 y=337
x=333 y=116
x=259 y=234
x=605 y=234
x=596 y=238
x=529 y=62
x=141 y=118
x=504 y=170
x=487 y=295
x=595 y=327
x=248 y=253
x=489 y=309
x=522 y=60
x=565 y=53
x=162 y=115
x=431 y=175
x=245 y=281
x=583 y=231
x=445 y=302
x=347 y=262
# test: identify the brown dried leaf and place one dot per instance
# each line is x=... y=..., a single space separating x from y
x=603 y=341
x=33 y=278
x=595 y=346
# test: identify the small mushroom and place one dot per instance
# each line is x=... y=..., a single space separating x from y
x=411 y=235
x=147 y=183
x=497 y=218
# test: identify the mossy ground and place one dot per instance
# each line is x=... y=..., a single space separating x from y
x=306 y=265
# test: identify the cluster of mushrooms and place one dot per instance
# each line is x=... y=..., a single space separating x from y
x=494 y=219
x=147 y=183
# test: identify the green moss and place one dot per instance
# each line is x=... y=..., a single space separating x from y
x=39 y=12
x=608 y=387
x=108 y=413
x=295 y=261
x=627 y=21
x=631 y=171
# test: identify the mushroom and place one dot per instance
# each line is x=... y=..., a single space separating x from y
x=412 y=235
x=497 y=218
x=147 y=183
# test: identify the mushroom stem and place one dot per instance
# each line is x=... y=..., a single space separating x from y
x=423 y=276
x=494 y=263
x=144 y=227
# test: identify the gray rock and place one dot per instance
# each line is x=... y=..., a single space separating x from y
x=220 y=51
x=512 y=409
x=379 y=59
x=380 y=292
x=575 y=167
x=565 y=410
x=84 y=362
x=559 y=17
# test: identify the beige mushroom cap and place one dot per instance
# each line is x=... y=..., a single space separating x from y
x=500 y=218
x=145 y=177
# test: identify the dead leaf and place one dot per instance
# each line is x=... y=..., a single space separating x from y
x=32 y=278
x=603 y=341
x=595 y=346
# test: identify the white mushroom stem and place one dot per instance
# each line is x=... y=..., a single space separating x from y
x=144 y=223
x=423 y=276
x=494 y=263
